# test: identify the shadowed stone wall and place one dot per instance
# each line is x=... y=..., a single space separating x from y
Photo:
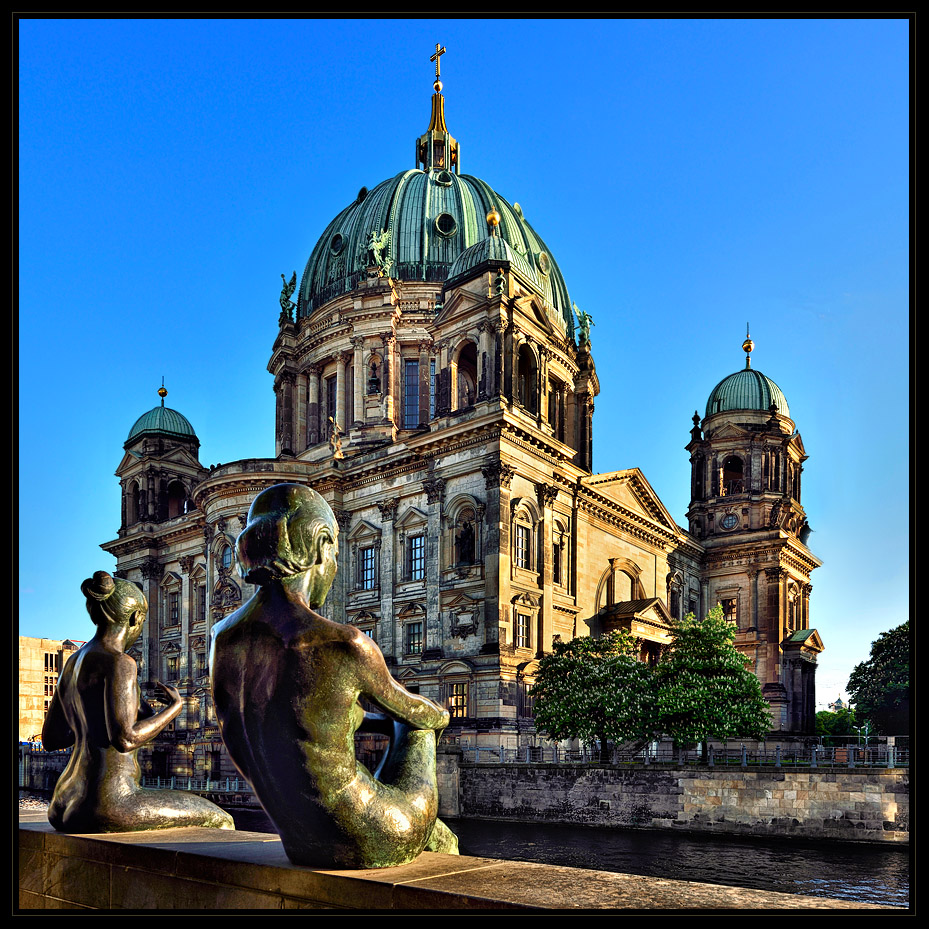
x=848 y=804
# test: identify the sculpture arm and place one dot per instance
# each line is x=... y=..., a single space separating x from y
x=56 y=733
x=126 y=731
x=379 y=686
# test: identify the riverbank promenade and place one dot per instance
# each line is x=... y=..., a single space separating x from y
x=205 y=869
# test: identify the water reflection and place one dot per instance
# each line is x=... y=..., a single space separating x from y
x=864 y=873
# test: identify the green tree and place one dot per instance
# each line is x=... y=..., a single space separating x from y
x=595 y=690
x=704 y=688
x=880 y=686
x=831 y=725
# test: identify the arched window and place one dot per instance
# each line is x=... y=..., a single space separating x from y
x=467 y=376
x=465 y=537
x=134 y=498
x=526 y=381
x=732 y=476
x=177 y=499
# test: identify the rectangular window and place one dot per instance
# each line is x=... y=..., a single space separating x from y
x=458 y=700
x=522 y=631
x=729 y=610
x=414 y=638
x=416 y=557
x=522 y=546
x=367 y=568
x=432 y=389
x=410 y=394
x=201 y=664
x=556 y=562
x=174 y=599
x=201 y=603
x=171 y=668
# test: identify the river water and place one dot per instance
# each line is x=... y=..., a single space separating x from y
x=847 y=871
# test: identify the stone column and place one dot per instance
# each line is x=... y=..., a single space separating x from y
x=753 y=579
x=338 y=593
x=300 y=417
x=546 y=494
x=341 y=359
x=435 y=498
x=388 y=377
x=388 y=510
x=805 y=619
x=359 y=380
x=497 y=479
x=703 y=607
x=484 y=364
x=152 y=572
x=498 y=357
x=312 y=407
x=424 y=380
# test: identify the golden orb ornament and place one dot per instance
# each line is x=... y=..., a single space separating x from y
x=438 y=86
x=493 y=217
x=162 y=392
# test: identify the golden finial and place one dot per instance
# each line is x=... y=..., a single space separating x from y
x=162 y=392
x=493 y=220
x=439 y=52
x=747 y=347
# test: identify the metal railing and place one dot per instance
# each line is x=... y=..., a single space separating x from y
x=717 y=755
x=200 y=785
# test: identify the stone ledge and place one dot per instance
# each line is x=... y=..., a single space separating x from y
x=207 y=869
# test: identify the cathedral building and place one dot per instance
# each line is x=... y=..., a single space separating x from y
x=434 y=384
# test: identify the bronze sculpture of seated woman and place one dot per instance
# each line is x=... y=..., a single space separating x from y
x=98 y=709
x=288 y=685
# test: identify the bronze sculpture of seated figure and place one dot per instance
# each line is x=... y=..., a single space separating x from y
x=288 y=685
x=98 y=709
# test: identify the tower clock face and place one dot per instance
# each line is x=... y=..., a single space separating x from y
x=729 y=521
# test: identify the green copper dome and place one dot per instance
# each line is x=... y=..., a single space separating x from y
x=163 y=421
x=432 y=217
x=747 y=389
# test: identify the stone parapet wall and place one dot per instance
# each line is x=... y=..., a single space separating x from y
x=870 y=805
x=212 y=869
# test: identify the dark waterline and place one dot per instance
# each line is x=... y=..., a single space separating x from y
x=846 y=871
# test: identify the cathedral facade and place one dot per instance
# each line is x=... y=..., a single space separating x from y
x=434 y=385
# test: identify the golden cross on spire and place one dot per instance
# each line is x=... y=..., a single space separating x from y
x=439 y=51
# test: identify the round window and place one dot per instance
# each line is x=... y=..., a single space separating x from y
x=544 y=262
x=336 y=244
x=444 y=178
x=445 y=224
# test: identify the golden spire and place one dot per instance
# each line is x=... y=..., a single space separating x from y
x=747 y=347
x=436 y=148
x=162 y=392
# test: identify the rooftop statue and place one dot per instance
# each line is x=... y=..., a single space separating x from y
x=287 y=305
x=99 y=710
x=584 y=321
x=288 y=685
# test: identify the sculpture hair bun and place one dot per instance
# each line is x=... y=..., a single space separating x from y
x=100 y=586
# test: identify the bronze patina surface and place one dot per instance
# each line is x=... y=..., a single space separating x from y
x=99 y=710
x=287 y=685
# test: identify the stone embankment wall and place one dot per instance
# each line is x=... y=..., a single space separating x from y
x=851 y=804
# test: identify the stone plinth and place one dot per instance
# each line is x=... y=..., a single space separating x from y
x=205 y=869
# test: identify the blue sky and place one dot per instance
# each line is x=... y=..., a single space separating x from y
x=688 y=176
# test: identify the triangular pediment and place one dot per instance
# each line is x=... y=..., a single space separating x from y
x=364 y=529
x=730 y=431
x=460 y=300
x=805 y=640
x=177 y=456
x=631 y=489
x=797 y=443
x=459 y=601
x=412 y=517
